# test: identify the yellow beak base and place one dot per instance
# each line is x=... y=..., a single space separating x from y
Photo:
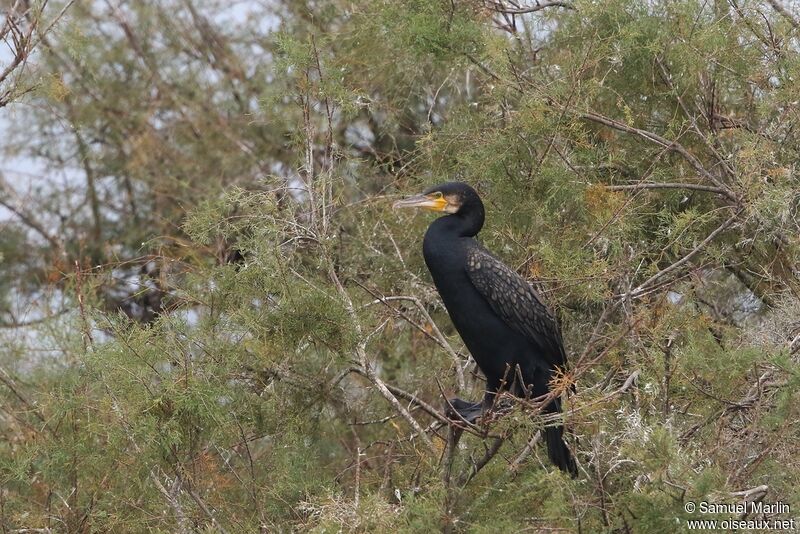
x=429 y=202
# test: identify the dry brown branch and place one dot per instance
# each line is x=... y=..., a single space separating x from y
x=663 y=142
x=667 y=185
x=21 y=40
x=500 y=7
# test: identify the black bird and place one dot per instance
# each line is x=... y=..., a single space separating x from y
x=503 y=321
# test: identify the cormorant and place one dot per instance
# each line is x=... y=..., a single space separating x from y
x=502 y=319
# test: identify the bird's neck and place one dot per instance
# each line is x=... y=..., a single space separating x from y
x=444 y=247
x=457 y=225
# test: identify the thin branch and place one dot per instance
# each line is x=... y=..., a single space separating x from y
x=526 y=451
x=206 y=510
x=476 y=467
x=8 y=381
x=536 y=404
x=172 y=499
x=26 y=218
x=661 y=141
x=644 y=285
x=540 y=4
x=668 y=185
x=754 y=393
x=437 y=335
x=667 y=78
x=486 y=70
x=427 y=408
x=26 y=44
x=413 y=399
x=780 y=8
x=618 y=212
x=33 y=322
x=52 y=23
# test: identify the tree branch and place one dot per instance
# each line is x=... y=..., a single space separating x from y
x=26 y=218
x=667 y=185
x=437 y=335
x=540 y=4
x=661 y=141
x=780 y=8
x=644 y=285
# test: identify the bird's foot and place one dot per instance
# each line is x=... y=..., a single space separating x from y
x=460 y=410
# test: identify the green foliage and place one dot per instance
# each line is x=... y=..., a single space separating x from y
x=438 y=28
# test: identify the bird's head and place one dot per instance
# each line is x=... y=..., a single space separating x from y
x=449 y=197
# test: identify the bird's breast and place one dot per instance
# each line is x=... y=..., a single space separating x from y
x=492 y=343
x=467 y=308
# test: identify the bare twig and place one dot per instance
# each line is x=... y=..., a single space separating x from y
x=644 y=285
x=172 y=498
x=357 y=489
x=448 y=457
x=476 y=467
x=780 y=8
x=667 y=185
x=666 y=143
x=23 y=41
x=9 y=382
x=437 y=334
x=525 y=452
x=666 y=76
x=540 y=4
x=206 y=510
x=87 y=329
x=25 y=217
x=749 y=399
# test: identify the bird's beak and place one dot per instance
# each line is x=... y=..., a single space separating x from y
x=430 y=202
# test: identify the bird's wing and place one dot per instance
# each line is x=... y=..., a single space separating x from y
x=516 y=302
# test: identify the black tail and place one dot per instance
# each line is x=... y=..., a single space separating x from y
x=558 y=451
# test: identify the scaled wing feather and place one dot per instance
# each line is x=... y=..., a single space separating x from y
x=517 y=303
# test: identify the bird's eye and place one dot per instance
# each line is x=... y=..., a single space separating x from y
x=436 y=195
